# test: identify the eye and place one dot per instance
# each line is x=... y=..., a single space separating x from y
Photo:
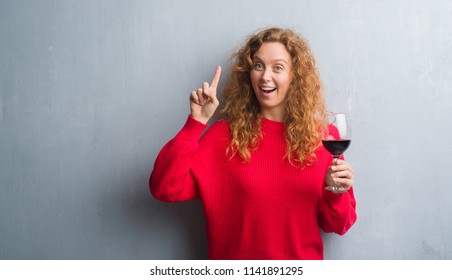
x=258 y=66
x=278 y=68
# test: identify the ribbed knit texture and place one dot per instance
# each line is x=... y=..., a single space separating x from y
x=263 y=209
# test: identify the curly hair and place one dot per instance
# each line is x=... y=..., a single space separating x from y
x=304 y=104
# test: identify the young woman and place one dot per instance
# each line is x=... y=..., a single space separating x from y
x=260 y=170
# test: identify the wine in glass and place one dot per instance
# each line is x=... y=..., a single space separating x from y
x=336 y=138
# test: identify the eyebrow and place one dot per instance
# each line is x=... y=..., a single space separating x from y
x=276 y=60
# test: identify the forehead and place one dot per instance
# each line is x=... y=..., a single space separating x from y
x=272 y=51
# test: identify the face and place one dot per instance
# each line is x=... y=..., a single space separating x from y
x=271 y=77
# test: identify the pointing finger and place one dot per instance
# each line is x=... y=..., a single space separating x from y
x=216 y=78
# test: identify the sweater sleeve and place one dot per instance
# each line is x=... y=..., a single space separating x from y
x=337 y=211
x=172 y=179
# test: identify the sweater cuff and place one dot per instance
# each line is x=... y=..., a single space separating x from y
x=192 y=129
x=335 y=198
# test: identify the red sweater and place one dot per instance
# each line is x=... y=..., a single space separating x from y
x=263 y=209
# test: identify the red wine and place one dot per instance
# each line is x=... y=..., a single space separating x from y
x=336 y=147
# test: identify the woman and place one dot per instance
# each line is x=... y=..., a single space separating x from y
x=261 y=170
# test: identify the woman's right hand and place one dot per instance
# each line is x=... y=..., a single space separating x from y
x=203 y=101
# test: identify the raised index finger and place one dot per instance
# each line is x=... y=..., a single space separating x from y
x=216 y=78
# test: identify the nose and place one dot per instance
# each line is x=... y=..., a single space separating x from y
x=266 y=75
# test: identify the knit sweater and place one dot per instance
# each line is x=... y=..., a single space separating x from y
x=263 y=209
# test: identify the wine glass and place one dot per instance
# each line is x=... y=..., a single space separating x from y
x=336 y=138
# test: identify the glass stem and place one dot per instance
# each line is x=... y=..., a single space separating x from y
x=335 y=158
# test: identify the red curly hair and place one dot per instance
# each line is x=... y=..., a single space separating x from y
x=305 y=105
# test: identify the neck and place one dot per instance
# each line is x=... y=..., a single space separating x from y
x=273 y=116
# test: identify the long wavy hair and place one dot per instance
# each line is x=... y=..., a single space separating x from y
x=305 y=105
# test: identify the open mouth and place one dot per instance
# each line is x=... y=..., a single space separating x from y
x=267 y=90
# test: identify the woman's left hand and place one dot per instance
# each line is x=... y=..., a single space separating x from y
x=340 y=173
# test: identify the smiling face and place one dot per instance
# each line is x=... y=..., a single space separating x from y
x=271 y=78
